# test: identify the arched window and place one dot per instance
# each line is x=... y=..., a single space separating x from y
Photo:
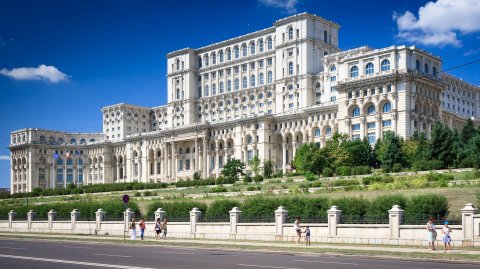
x=260 y=96
x=221 y=88
x=178 y=94
x=249 y=140
x=317 y=132
x=187 y=151
x=252 y=48
x=387 y=107
x=214 y=58
x=244 y=50
x=328 y=131
x=244 y=83
x=325 y=36
x=237 y=86
x=60 y=140
x=354 y=71
x=385 y=65
x=333 y=68
x=269 y=94
x=425 y=69
x=290 y=33
x=269 y=43
x=229 y=85
x=42 y=139
x=371 y=110
x=261 y=79
x=252 y=81
x=260 y=45
x=269 y=77
x=180 y=151
x=199 y=62
x=80 y=161
x=205 y=60
x=237 y=52
x=229 y=54
x=59 y=161
x=73 y=141
x=356 y=112
x=434 y=71
x=220 y=56
x=83 y=141
x=290 y=68
x=369 y=69
x=317 y=86
x=252 y=97
x=207 y=89
x=178 y=64
x=214 y=89
x=417 y=65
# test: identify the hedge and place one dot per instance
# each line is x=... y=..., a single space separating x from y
x=343 y=171
x=423 y=165
x=221 y=208
x=178 y=209
x=377 y=179
x=191 y=183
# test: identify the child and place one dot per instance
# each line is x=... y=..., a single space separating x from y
x=307 y=236
x=446 y=237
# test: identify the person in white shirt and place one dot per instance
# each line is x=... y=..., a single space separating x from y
x=432 y=234
x=446 y=237
x=298 y=229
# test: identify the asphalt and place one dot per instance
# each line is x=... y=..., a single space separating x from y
x=27 y=253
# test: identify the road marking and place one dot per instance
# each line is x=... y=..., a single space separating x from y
x=72 y=262
x=180 y=253
x=112 y=255
x=345 y=263
x=76 y=247
x=14 y=248
x=266 y=266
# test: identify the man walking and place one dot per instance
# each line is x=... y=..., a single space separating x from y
x=142 y=227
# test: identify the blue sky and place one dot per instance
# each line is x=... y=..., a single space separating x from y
x=61 y=61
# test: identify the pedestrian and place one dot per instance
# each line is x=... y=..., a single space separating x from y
x=133 y=231
x=298 y=229
x=307 y=236
x=158 y=228
x=432 y=234
x=446 y=237
x=164 y=228
x=142 y=227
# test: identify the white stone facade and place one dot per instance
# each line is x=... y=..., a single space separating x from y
x=264 y=93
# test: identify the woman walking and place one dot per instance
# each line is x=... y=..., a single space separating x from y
x=133 y=230
x=158 y=228
x=432 y=234
x=298 y=229
x=446 y=237
x=142 y=227
x=164 y=228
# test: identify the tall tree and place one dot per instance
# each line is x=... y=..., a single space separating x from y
x=389 y=150
x=468 y=132
x=308 y=158
x=268 y=168
x=233 y=168
x=255 y=163
x=441 y=146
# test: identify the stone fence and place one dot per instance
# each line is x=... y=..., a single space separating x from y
x=395 y=232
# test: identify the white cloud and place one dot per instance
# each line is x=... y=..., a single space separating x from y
x=289 y=6
x=42 y=72
x=4 y=158
x=439 y=23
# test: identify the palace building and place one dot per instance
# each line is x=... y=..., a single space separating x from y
x=264 y=93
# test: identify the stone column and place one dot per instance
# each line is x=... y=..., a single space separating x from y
x=30 y=217
x=195 y=163
x=395 y=219
x=52 y=215
x=333 y=220
x=378 y=127
x=467 y=221
x=205 y=159
x=394 y=121
x=234 y=219
x=284 y=158
x=174 y=162
x=164 y=163
x=99 y=217
x=280 y=218
x=294 y=149
x=195 y=215
x=363 y=120
x=217 y=162
x=159 y=214
x=12 y=215
x=74 y=217
x=127 y=217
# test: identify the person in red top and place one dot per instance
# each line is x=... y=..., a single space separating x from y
x=142 y=227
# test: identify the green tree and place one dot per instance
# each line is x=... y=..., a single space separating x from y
x=441 y=144
x=268 y=168
x=233 y=168
x=358 y=152
x=414 y=149
x=255 y=163
x=309 y=158
x=389 y=150
x=468 y=132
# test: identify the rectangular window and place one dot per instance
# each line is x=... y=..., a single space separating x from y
x=180 y=165
x=387 y=123
x=212 y=163
x=370 y=125
x=355 y=137
x=244 y=68
x=229 y=71
x=290 y=105
x=269 y=61
x=220 y=161
x=371 y=138
x=372 y=91
x=356 y=127
x=59 y=175
x=252 y=66
x=333 y=78
x=187 y=164
x=333 y=98
x=249 y=155
x=260 y=63
x=236 y=69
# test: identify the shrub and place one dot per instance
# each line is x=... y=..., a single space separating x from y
x=177 y=209
x=379 y=206
x=345 y=182
x=191 y=183
x=196 y=175
x=377 y=179
x=258 y=178
x=424 y=165
x=279 y=174
x=423 y=206
x=247 y=178
x=253 y=188
x=293 y=174
x=327 y=172
x=219 y=189
x=397 y=167
x=310 y=176
x=343 y=171
x=352 y=206
x=220 y=180
x=220 y=208
x=361 y=170
x=433 y=177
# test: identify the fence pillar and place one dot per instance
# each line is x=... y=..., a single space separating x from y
x=395 y=219
x=30 y=217
x=127 y=217
x=333 y=220
x=195 y=215
x=234 y=219
x=468 y=227
x=281 y=215
x=12 y=215
x=99 y=217
x=74 y=216
x=52 y=216
x=159 y=214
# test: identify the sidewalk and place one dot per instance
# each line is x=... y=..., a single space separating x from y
x=373 y=250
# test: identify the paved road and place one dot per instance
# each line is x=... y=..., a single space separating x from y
x=50 y=254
